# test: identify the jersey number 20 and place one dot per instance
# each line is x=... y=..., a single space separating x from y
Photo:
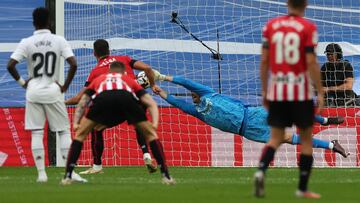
x=286 y=47
x=48 y=57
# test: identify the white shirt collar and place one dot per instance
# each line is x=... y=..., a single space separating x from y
x=41 y=31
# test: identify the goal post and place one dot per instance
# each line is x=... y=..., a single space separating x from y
x=145 y=31
x=56 y=8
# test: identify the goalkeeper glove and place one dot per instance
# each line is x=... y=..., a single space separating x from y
x=158 y=76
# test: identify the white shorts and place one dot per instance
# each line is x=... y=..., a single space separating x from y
x=56 y=114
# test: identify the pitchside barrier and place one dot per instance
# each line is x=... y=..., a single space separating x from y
x=188 y=143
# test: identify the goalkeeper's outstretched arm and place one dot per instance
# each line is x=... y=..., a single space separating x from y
x=193 y=86
x=179 y=103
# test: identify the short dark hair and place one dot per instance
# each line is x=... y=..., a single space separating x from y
x=41 y=17
x=334 y=48
x=117 y=64
x=101 y=48
x=297 y=4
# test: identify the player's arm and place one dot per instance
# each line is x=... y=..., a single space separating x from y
x=150 y=103
x=81 y=107
x=193 y=86
x=349 y=79
x=75 y=99
x=264 y=64
x=179 y=103
x=145 y=99
x=264 y=68
x=347 y=85
x=314 y=72
x=18 y=55
x=312 y=64
x=71 y=73
x=68 y=54
x=11 y=67
x=139 y=65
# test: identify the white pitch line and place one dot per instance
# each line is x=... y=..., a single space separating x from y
x=188 y=46
x=314 y=7
x=313 y=19
x=98 y=2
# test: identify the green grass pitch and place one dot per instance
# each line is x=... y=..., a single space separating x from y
x=134 y=184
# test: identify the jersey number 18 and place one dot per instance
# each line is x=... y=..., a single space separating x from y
x=286 y=47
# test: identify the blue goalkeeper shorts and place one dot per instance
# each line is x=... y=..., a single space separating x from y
x=257 y=128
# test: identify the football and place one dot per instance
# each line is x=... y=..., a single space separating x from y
x=142 y=79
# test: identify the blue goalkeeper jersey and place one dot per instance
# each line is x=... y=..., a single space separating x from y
x=219 y=111
x=226 y=113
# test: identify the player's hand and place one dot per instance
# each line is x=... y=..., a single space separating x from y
x=155 y=125
x=76 y=126
x=265 y=103
x=156 y=89
x=26 y=83
x=62 y=88
x=158 y=76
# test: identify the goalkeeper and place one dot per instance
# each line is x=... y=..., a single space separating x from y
x=231 y=115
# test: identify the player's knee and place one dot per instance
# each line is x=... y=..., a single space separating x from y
x=147 y=130
x=151 y=136
x=81 y=134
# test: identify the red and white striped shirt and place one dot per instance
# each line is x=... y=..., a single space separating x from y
x=113 y=81
x=289 y=39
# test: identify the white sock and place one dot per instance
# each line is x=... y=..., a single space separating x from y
x=325 y=120
x=97 y=167
x=331 y=145
x=65 y=142
x=146 y=156
x=37 y=147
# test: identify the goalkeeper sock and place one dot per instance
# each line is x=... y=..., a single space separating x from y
x=37 y=148
x=97 y=146
x=158 y=152
x=74 y=154
x=306 y=162
x=141 y=141
x=320 y=119
x=316 y=142
x=266 y=157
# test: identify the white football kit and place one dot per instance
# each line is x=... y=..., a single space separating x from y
x=43 y=51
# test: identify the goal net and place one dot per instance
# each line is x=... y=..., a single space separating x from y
x=144 y=31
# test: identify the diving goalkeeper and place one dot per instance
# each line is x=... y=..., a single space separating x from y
x=231 y=115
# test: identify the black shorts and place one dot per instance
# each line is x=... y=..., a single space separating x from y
x=113 y=107
x=285 y=114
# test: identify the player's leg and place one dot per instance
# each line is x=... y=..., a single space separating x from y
x=97 y=149
x=334 y=145
x=144 y=148
x=140 y=138
x=135 y=115
x=303 y=119
x=268 y=152
x=157 y=149
x=86 y=125
x=329 y=121
x=305 y=165
x=58 y=120
x=35 y=121
x=278 y=119
x=57 y=116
